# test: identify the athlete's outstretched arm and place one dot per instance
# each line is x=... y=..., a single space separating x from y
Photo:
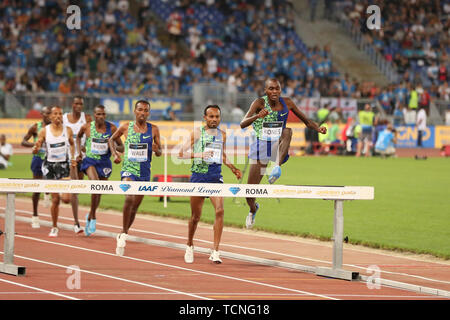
x=308 y=122
x=116 y=136
x=39 y=142
x=119 y=144
x=32 y=132
x=255 y=111
x=225 y=161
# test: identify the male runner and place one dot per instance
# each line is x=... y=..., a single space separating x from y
x=97 y=164
x=141 y=139
x=268 y=116
x=206 y=147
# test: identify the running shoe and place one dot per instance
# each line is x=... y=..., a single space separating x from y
x=77 y=229
x=250 y=221
x=189 y=254
x=93 y=225
x=86 y=228
x=121 y=243
x=275 y=174
x=53 y=232
x=35 y=222
x=215 y=257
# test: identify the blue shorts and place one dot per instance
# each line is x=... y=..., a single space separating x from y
x=265 y=151
x=125 y=174
x=36 y=166
x=205 y=178
x=103 y=167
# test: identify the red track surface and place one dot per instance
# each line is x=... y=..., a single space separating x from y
x=154 y=272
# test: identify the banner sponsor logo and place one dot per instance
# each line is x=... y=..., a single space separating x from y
x=58 y=187
x=124 y=187
x=148 y=188
x=101 y=187
x=234 y=190
x=290 y=192
x=256 y=191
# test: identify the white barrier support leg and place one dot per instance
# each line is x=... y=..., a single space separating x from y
x=8 y=266
x=338 y=235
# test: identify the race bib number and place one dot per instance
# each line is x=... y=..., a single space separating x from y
x=137 y=152
x=99 y=146
x=216 y=149
x=57 y=152
x=271 y=131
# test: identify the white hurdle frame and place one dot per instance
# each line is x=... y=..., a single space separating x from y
x=338 y=194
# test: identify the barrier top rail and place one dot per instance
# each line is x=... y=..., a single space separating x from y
x=187 y=189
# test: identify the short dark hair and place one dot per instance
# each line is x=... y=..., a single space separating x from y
x=77 y=97
x=100 y=106
x=141 y=101
x=215 y=106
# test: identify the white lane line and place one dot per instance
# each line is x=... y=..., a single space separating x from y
x=225 y=294
x=176 y=267
x=111 y=277
x=260 y=250
x=38 y=289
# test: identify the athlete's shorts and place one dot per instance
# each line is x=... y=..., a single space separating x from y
x=205 y=178
x=125 y=174
x=55 y=170
x=265 y=151
x=103 y=167
x=36 y=166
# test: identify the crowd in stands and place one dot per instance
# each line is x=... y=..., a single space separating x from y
x=415 y=37
x=238 y=43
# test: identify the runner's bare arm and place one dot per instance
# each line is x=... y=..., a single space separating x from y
x=80 y=134
x=255 y=111
x=309 y=123
x=39 y=142
x=32 y=132
x=115 y=136
x=225 y=161
x=73 y=162
x=119 y=144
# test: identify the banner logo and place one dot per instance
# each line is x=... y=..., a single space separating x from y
x=235 y=190
x=125 y=187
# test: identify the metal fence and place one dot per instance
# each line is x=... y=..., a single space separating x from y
x=19 y=105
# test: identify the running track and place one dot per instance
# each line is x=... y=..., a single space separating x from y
x=154 y=272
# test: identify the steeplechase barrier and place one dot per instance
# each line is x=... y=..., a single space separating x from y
x=338 y=194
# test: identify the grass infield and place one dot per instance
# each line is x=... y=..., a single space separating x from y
x=411 y=210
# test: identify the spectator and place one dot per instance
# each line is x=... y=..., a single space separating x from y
x=323 y=112
x=366 y=121
x=421 y=124
x=169 y=114
x=174 y=25
x=6 y=151
x=385 y=144
x=424 y=98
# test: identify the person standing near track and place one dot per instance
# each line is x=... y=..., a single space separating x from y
x=97 y=164
x=206 y=148
x=75 y=120
x=268 y=116
x=37 y=159
x=59 y=158
x=141 y=139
